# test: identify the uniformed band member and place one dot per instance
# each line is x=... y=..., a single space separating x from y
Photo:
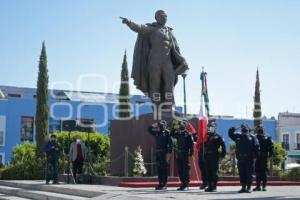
x=247 y=149
x=163 y=151
x=185 y=150
x=211 y=156
x=261 y=164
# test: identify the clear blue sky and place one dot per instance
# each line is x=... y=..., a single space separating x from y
x=230 y=38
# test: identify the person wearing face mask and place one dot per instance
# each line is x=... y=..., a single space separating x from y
x=185 y=151
x=261 y=163
x=157 y=60
x=211 y=155
x=164 y=147
x=77 y=154
x=52 y=154
x=247 y=150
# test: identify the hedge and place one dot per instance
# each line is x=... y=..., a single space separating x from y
x=25 y=166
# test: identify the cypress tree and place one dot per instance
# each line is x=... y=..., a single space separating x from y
x=42 y=108
x=124 y=97
x=257 y=104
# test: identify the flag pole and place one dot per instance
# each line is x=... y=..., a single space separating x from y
x=201 y=77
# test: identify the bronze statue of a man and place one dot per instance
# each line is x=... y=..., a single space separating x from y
x=157 y=60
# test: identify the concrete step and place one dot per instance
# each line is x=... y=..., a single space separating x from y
x=9 y=197
x=147 y=184
x=40 y=186
x=37 y=195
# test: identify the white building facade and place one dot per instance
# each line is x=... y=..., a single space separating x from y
x=288 y=133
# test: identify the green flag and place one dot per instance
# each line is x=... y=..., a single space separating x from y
x=205 y=91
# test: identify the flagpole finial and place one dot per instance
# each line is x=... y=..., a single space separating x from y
x=203 y=73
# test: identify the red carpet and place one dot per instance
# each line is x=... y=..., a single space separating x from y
x=137 y=184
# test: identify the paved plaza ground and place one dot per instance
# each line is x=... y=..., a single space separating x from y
x=280 y=192
x=38 y=190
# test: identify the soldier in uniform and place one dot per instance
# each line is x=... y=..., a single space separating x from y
x=211 y=155
x=266 y=152
x=163 y=151
x=185 y=150
x=247 y=150
x=202 y=165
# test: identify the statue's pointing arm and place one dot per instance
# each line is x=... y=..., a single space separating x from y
x=139 y=28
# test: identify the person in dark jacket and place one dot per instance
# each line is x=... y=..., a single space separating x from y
x=202 y=166
x=185 y=151
x=214 y=143
x=52 y=154
x=261 y=164
x=163 y=151
x=247 y=150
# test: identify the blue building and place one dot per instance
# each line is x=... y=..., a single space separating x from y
x=17 y=112
x=18 y=106
x=225 y=123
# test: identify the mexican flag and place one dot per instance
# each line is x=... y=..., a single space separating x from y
x=204 y=92
x=204 y=112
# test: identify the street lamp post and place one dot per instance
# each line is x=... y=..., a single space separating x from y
x=184 y=92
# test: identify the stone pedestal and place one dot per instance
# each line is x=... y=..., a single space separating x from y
x=133 y=133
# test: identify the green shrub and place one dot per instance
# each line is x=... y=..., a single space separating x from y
x=277 y=171
x=21 y=171
x=279 y=154
x=292 y=175
x=233 y=146
x=24 y=152
x=24 y=165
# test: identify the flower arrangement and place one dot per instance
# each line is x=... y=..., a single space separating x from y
x=139 y=168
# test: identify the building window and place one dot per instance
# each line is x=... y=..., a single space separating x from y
x=298 y=141
x=2 y=159
x=2 y=138
x=86 y=125
x=286 y=141
x=2 y=95
x=27 y=128
x=14 y=95
x=140 y=102
x=2 y=130
x=54 y=125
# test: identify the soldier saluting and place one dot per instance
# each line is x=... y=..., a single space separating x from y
x=261 y=164
x=247 y=150
x=163 y=151
x=211 y=155
x=185 y=150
